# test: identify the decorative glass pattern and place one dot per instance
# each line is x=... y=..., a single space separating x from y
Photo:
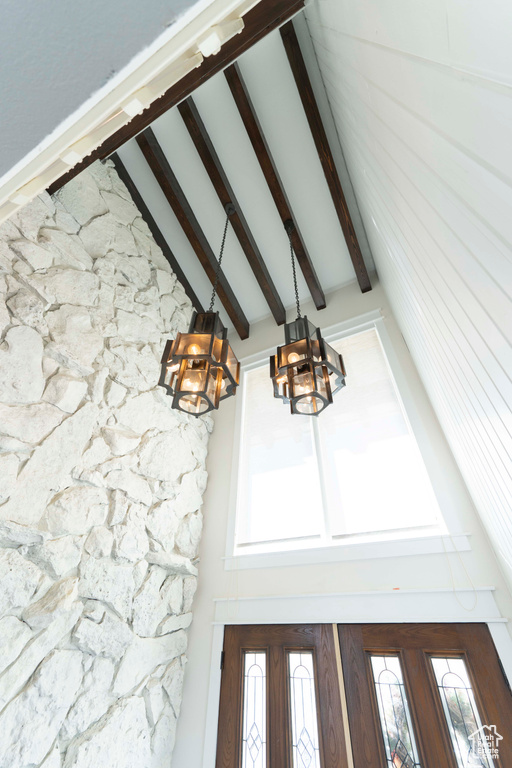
x=395 y=718
x=305 y=746
x=464 y=723
x=254 y=733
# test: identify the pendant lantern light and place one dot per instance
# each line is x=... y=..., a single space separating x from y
x=199 y=368
x=306 y=371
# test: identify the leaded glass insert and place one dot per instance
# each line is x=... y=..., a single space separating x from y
x=395 y=718
x=305 y=742
x=461 y=713
x=254 y=729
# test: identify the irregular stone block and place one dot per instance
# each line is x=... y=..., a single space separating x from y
x=110 y=637
x=188 y=535
x=22 y=378
x=31 y=722
x=14 y=678
x=172 y=681
x=67 y=286
x=133 y=485
x=105 y=234
x=189 y=590
x=134 y=368
x=76 y=343
x=9 y=464
x=123 y=210
x=166 y=457
x=172 y=562
x=115 y=395
x=173 y=623
x=13 y=534
x=149 y=605
x=14 y=635
x=31 y=423
x=130 y=538
x=131 y=327
x=19 y=579
x=93 y=703
x=66 y=392
x=162 y=524
x=49 y=467
x=99 y=542
x=147 y=411
x=107 y=581
x=37 y=257
x=125 y=723
x=120 y=441
x=76 y=510
x=55 y=556
x=57 y=602
x=67 y=249
x=144 y=655
x=28 y=308
x=81 y=197
x=163 y=739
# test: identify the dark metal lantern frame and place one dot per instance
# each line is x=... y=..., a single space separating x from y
x=306 y=371
x=199 y=368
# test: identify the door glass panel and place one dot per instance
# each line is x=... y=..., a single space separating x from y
x=395 y=718
x=254 y=730
x=305 y=746
x=464 y=723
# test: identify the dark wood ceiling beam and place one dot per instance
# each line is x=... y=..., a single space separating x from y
x=168 y=182
x=266 y=16
x=268 y=167
x=309 y=103
x=226 y=195
x=155 y=230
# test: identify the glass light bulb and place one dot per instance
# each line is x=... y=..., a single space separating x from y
x=193 y=349
x=293 y=357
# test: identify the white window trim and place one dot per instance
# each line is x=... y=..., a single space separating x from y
x=408 y=543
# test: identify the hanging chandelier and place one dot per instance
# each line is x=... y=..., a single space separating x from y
x=199 y=368
x=306 y=371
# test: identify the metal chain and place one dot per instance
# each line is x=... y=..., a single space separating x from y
x=292 y=254
x=217 y=273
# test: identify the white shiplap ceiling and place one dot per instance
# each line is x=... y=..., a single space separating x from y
x=276 y=101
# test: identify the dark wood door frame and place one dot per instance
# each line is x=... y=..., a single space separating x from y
x=415 y=644
x=276 y=640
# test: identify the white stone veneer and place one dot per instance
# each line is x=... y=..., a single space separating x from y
x=100 y=486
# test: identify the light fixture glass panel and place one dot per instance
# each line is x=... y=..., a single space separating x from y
x=376 y=478
x=194 y=379
x=395 y=718
x=279 y=495
x=464 y=723
x=194 y=404
x=254 y=728
x=305 y=741
x=193 y=344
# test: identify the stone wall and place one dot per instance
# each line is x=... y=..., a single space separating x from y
x=100 y=486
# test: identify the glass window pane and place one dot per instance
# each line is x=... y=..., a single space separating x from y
x=279 y=490
x=395 y=718
x=464 y=723
x=254 y=729
x=376 y=477
x=306 y=753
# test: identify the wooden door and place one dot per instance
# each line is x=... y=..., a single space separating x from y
x=271 y=652
x=451 y=685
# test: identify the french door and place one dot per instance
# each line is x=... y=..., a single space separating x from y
x=425 y=696
x=363 y=696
